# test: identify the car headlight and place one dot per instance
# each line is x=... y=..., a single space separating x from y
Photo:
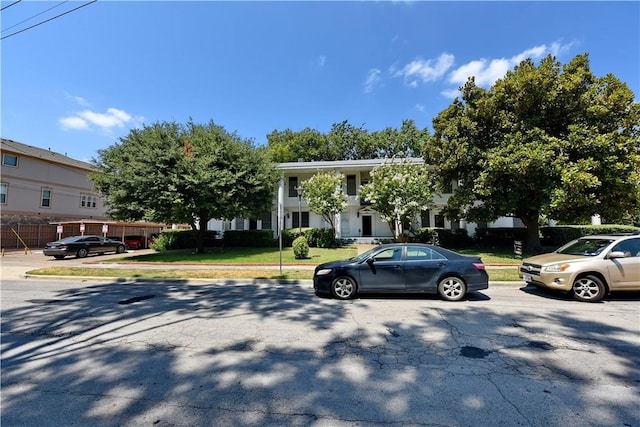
x=556 y=268
x=323 y=272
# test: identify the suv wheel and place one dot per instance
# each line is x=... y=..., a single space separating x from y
x=588 y=289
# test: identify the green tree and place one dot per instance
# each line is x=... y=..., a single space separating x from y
x=546 y=140
x=323 y=192
x=399 y=191
x=188 y=174
x=346 y=142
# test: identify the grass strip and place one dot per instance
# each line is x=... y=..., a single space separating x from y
x=495 y=274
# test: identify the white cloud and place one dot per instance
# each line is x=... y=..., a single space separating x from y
x=420 y=70
x=105 y=122
x=373 y=78
x=487 y=71
x=322 y=60
x=73 y=123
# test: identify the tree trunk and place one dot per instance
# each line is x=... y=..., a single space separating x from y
x=200 y=231
x=533 y=234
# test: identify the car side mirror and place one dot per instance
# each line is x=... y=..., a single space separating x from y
x=617 y=254
x=370 y=260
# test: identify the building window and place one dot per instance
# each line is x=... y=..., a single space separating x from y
x=45 y=201
x=3 y=194
x=439 y=221
x=447 y=188
x=266 y=221
x=351 y=185
x=239 y=223
x=87 y=201
x=425 y=218
x=9 y=160
x=293 y=184
x=305 y=220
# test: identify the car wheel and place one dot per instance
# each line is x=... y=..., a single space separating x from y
x=452 y=288
x=588 y=289
x=58 y=256
x=82 y=253
x=343 y=288
x=120 y=249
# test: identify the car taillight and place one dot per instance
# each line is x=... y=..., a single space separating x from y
x=479 y=265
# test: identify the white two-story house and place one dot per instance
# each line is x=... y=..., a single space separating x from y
x=357 y=221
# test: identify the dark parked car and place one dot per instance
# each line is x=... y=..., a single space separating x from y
x=403 y=268
x=81 y=246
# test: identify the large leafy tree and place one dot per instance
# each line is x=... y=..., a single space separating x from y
x=399 y=191
x=346 y=142
x=547 y=140
x=323 y=192
x=191 y=173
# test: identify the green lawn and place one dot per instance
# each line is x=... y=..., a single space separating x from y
x=259 y=256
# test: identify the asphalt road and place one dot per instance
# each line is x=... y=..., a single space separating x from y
x=247 y=353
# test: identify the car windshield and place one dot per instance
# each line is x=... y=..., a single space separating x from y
x=585 y=247
x=364 y=255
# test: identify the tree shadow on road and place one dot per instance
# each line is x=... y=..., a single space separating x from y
x=166 y=354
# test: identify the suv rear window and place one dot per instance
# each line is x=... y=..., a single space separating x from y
x=585 y=247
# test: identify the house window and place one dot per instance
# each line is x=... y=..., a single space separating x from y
x=266 y=221
x=426 y=218
x=293 y=184
x=239 y=223
x=3 y=194
x=351 y=185
x=305 y=220
x=439 y=221
x=447 y=188
x=87 y=201
x=45 y=200
x=9 y=160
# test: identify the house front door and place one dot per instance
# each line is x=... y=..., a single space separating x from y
x=366 y=226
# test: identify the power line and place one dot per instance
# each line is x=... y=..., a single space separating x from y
x=8 y=6
x=47 y=20
x=31 y=17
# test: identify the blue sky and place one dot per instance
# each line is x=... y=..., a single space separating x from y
x=77 y=83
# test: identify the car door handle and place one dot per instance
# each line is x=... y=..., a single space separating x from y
x=397 y=266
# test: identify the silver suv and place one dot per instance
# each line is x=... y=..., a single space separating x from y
x=590 y=267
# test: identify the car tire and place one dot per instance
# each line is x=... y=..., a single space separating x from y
x=58 y=256
x=588 y=289
x=343 y=288
x=120 y=249
x=452 y=288
x=82 y=253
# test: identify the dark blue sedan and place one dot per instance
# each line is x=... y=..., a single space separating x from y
x=403 y=268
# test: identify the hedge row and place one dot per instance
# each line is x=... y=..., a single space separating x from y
x=442 y=237
x=182 y=239
x=559 y=235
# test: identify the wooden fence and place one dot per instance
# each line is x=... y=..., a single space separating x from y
x=37 y=235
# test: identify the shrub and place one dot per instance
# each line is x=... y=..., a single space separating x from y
x=300 y=247
x=559 y=235
x=249 y=238
x=181 y=239
x=442 y=237
x=320 y=237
